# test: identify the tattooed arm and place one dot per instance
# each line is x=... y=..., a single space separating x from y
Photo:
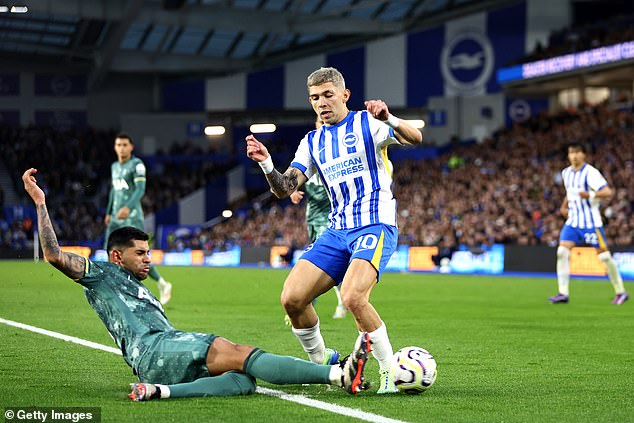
x=283 y=185
x=70 y=264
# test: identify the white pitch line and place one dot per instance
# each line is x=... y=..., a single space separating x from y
x=299 y=399
x=333 y=408
x=61 y=336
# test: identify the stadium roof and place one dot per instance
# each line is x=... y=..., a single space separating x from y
x=210 y=37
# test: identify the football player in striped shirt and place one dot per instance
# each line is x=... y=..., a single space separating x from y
x=585 y=187
x=349 y=153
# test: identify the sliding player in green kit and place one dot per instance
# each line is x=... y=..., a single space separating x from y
x=171 y=363
x=124 y=202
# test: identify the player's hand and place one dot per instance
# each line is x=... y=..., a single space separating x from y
x=297 y=196
x=584 y=195
x=564 y=212
x=378 y=109
x=30 y=185
x=256 y=151
x=123 y=213
x=106 y=219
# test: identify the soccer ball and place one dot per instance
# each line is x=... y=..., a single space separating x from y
x=414 y=370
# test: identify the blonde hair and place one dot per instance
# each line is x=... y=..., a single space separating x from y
x=323 y=75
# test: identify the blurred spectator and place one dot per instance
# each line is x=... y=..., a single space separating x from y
x=446 y=248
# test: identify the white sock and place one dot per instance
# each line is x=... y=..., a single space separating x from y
x=381 y=347
x=335 y=375
x=338 y=294
x=613 y=272
x=312 y=342
x=563 y=269
x=165 y=390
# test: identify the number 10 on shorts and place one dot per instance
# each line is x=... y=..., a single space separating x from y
x=366 y=242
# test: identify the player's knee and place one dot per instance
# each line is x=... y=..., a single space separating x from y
x=292 y=303
x=563 y=253
x=352 y=301
x=224 y=356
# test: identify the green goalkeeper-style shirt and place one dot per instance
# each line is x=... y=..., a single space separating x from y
x=131 y=313
x=128 y=187
x=317 y=203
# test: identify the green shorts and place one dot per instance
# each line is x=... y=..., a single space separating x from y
x=176 y=357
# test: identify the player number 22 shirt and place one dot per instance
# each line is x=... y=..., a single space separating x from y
x=583 y=213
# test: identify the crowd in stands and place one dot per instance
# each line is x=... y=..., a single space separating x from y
x=71 y=173
x=578 y=38
x=74 y=171
x=266 y=224
x=180 y=171
x=507 y=190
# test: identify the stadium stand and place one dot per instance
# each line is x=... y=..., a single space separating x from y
x=586 y=36
x=506 y=190
x=77 y=168
x=509 y=189
x=263 y=225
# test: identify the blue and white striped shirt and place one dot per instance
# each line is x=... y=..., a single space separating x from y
x=583 y=213
x=351 y=159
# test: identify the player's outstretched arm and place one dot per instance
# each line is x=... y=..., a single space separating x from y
x=405 y=133
x=282 y=185
x=70 y=264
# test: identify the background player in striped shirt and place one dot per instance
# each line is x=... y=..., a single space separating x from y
x=124 y=202
x=350 y=155
x=585 y=187
x=171 y=363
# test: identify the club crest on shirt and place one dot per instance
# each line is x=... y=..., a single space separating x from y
x=350 y=140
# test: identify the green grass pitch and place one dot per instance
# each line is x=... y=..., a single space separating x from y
x=504 y=353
